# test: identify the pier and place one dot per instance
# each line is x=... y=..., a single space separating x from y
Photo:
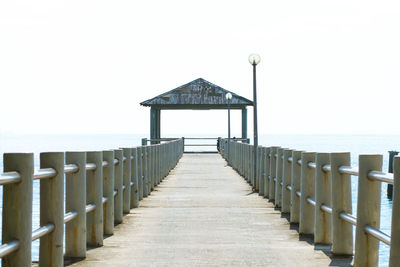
x=206 y=217
x=156 y=205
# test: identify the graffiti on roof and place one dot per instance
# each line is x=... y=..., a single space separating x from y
x=197 y=92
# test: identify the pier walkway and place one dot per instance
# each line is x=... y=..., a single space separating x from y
x=205 y=214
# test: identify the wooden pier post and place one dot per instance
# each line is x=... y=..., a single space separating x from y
x=108 y=191
x=251 y=168
x=126 y=206
x=94 y=195
x=286 y=180
x=145 y=171
x=342 y=232
x=322 y=223
x=267 y=171
x=389 y=190
x=394 y=258
x=294 y=198
x=134 y=178
x=272 y=173
x=261 y=168
x=148 y=170
x=118 y=183
x=51 y=251
x=17 y=209
x=153 y=165
x=306 y=223
x=368 y=211
x=75 y=201
x=278 y=186
x=140 y=171
x=246 y=162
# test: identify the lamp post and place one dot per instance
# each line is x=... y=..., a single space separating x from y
x=228 y=97
x=254 y=59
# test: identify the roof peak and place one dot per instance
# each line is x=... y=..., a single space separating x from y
x=197 y=94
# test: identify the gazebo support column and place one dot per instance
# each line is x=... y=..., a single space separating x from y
x=153 y=132
x=244 y=123
x=155 y=124
x=158 y=124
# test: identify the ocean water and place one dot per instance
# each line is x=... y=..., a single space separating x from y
x=356 y=144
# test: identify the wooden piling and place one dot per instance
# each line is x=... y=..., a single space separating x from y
x=17 y=209
x=75 y=201
x=51 y=251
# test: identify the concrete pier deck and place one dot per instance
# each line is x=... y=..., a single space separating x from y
x=205 y=214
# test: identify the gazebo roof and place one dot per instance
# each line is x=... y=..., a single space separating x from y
x=197 y=94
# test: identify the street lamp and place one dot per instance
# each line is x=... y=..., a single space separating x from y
x=254 y=59
x=228 y=97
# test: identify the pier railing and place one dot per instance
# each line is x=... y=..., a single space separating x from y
x=99 y=186
x=315 y=189
x=198 y=143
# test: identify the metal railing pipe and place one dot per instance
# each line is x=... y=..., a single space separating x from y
x=377 y=234
x=69 y=216
x=51 y=252
x=9 y=178
x=368 y=211
x=381 y=176
x=312 y=165
x=75 y=200
x=90 y=207
x=311 y=201
x=349 y=218
x=322 y=222
x=70 y=168
x=90 y=166
x=42 y=232
x=44 y=173
x=8 y=248
x=326 y=208
x=342 y=232
x=348 y=170
x=17 y=210
x=326 y=168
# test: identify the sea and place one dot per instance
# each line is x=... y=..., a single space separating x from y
x=355 y=144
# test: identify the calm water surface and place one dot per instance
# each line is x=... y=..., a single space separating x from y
x=356 y=144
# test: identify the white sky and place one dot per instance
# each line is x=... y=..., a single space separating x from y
x=84 y=66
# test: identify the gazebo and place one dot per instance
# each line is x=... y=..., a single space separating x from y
x=195 y=95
